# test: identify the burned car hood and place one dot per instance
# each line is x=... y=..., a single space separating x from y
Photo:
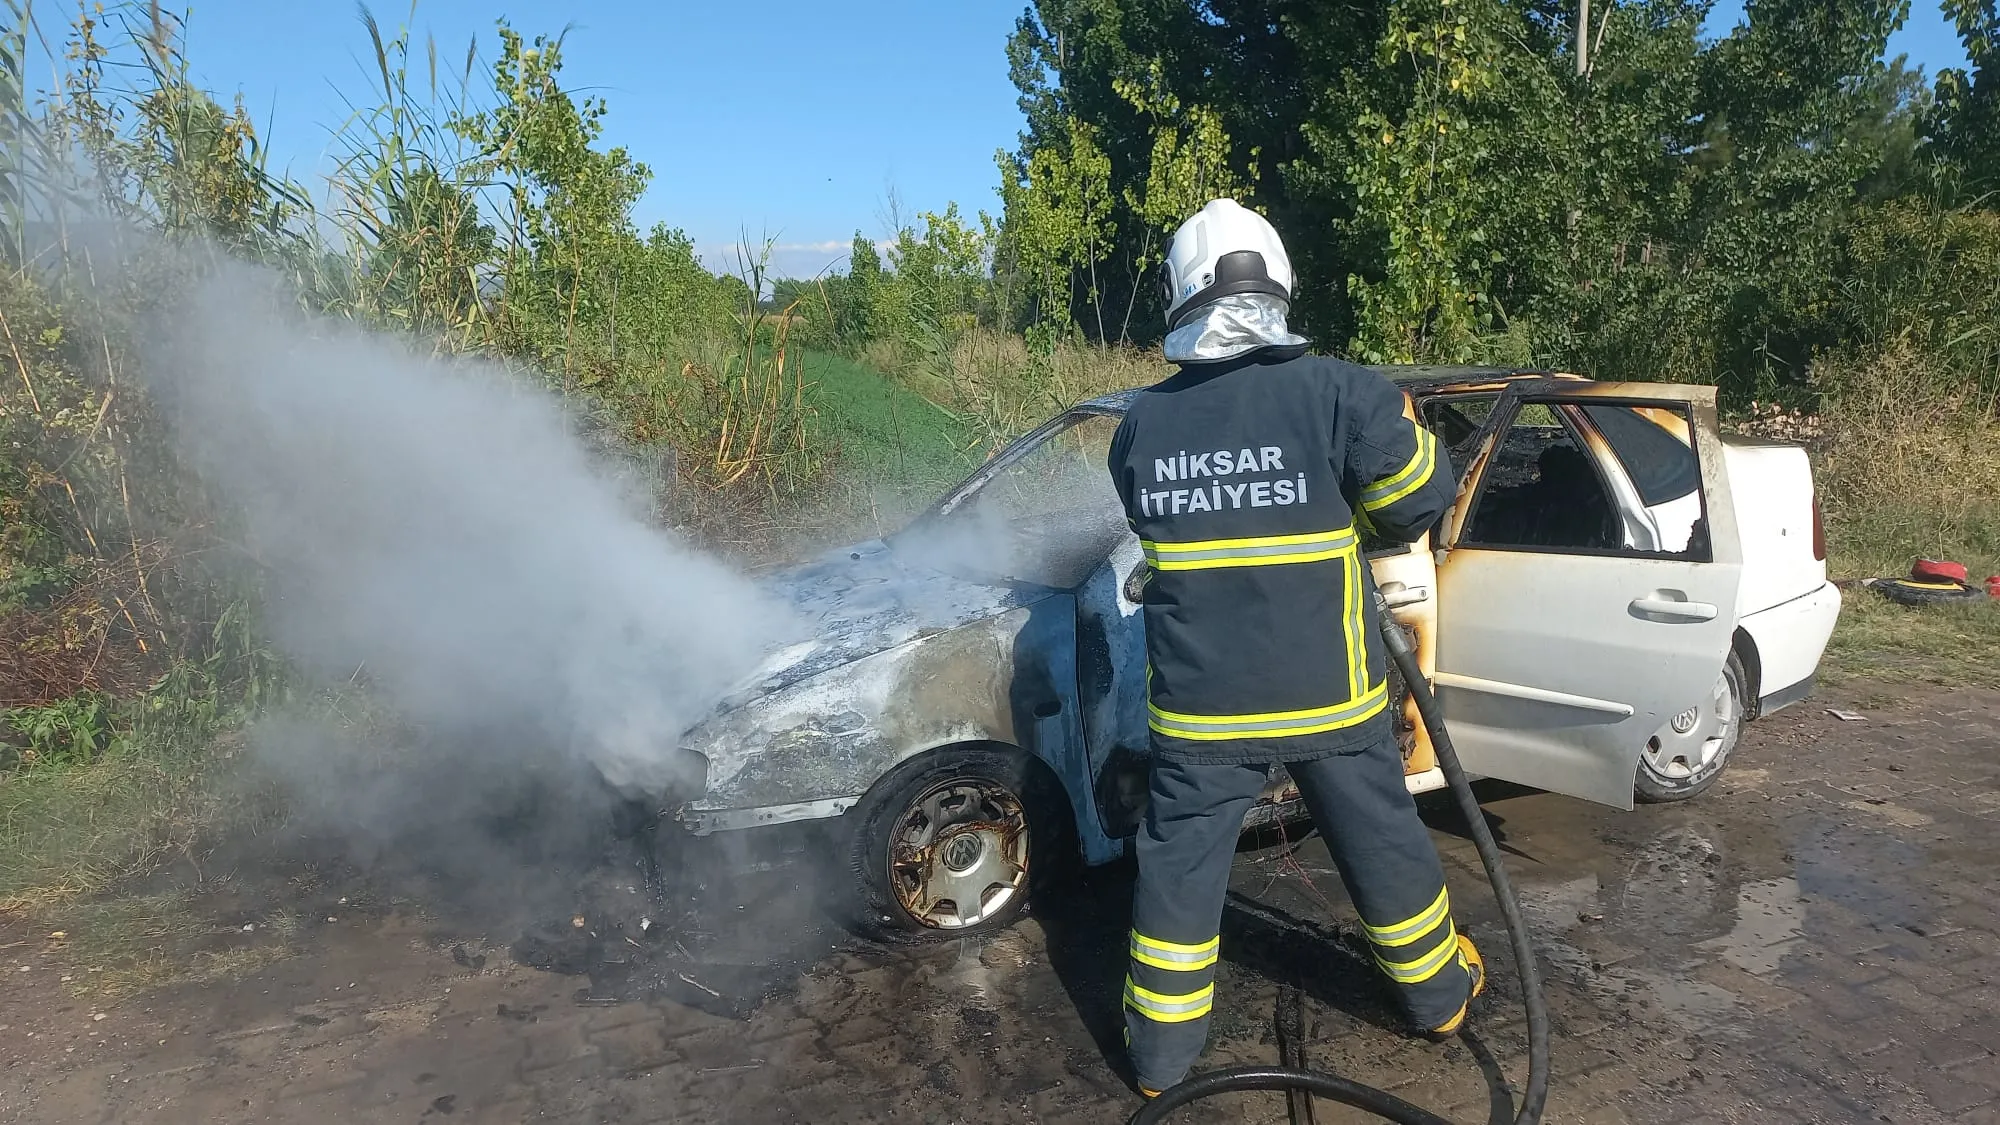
x=868 y=598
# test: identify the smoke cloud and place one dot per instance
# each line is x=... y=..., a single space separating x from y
x=437 y=529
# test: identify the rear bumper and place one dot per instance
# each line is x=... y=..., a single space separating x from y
x=1790 y=638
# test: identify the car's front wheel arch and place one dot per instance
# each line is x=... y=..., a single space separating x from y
x=955 y=841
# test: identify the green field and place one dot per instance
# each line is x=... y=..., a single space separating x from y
x=891 y=445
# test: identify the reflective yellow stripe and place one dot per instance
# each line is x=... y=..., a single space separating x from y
x=1357 y=649
x=1276 y=724
x=1264 y=550
x=1163 y=1007
x=1425 y=967
x=1363 y=702
x=1411 y=477
x=1171 y=955
x=1415 y=926
x=1256 y=540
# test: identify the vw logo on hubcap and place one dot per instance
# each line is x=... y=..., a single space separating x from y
x=1684 y=722
x=963 y=851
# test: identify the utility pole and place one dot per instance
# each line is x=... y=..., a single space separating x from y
x=1582 y=38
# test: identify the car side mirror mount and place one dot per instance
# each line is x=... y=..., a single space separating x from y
x=1135 y=584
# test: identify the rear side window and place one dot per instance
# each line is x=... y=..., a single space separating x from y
x=1594 y=478
x=1652 y=446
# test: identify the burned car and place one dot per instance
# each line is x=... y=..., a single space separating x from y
x=1617 y=590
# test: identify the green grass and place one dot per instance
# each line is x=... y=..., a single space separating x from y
x=893 y=446
x=1878 y=640
x=1907 y=463
x=1882 y=540
x=71 y=831
x=1953 y=646
x=83 y=847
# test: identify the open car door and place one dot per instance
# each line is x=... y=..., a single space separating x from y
x=1587 y=594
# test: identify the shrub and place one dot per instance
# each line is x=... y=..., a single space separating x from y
x=1908 y=460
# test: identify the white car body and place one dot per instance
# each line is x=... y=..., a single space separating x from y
x=1553 y=667
x=1786 y=606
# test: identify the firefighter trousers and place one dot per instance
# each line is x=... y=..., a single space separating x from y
x=1383 y=851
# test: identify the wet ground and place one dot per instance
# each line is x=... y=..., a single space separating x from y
x=1816 y=940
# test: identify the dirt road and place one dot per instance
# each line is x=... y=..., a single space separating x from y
x=1817 y=940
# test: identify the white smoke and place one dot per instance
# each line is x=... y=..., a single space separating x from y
x=437 y=526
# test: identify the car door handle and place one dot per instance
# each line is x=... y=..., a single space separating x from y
x=1653 y=605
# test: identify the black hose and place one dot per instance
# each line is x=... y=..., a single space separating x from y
x=1333 y=1087
x=1379 y=1102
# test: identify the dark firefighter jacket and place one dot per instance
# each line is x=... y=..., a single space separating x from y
x=1245 y=481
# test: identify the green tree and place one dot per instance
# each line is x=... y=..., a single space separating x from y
x=1421 y=182
x=14 y=132
x=1965 y=125
x=1187 y=166
x=1272 y=73
x=1445 y=169
x=936 y=287
x=1058 y=226
x=855 y=319
x=571 y=203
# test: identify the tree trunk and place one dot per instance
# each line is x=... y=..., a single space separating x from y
x=1582 y=38
x=1097 y=300
x=1132 y=298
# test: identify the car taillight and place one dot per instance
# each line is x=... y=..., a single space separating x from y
x=1819 y=531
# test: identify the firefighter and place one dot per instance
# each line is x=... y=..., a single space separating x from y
x=1249 y=475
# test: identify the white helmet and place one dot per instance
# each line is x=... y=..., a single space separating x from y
x=1225 y=249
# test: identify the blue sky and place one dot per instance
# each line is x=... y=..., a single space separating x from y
x=787 y=118
x=791 y=119
x=1925 y=37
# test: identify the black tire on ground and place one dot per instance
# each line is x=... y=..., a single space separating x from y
x=1653 y=787
x=1904 y=592
x=937 y=796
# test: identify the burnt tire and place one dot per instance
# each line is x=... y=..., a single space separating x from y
x=1665 y=776
x=952 y=843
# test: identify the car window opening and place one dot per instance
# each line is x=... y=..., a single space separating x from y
x=1660 y=464
x=1047 y=519
x=1600 y=477
x=1456 y=420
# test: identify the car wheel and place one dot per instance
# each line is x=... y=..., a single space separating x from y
x=1688 y=755
x=950 y=844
